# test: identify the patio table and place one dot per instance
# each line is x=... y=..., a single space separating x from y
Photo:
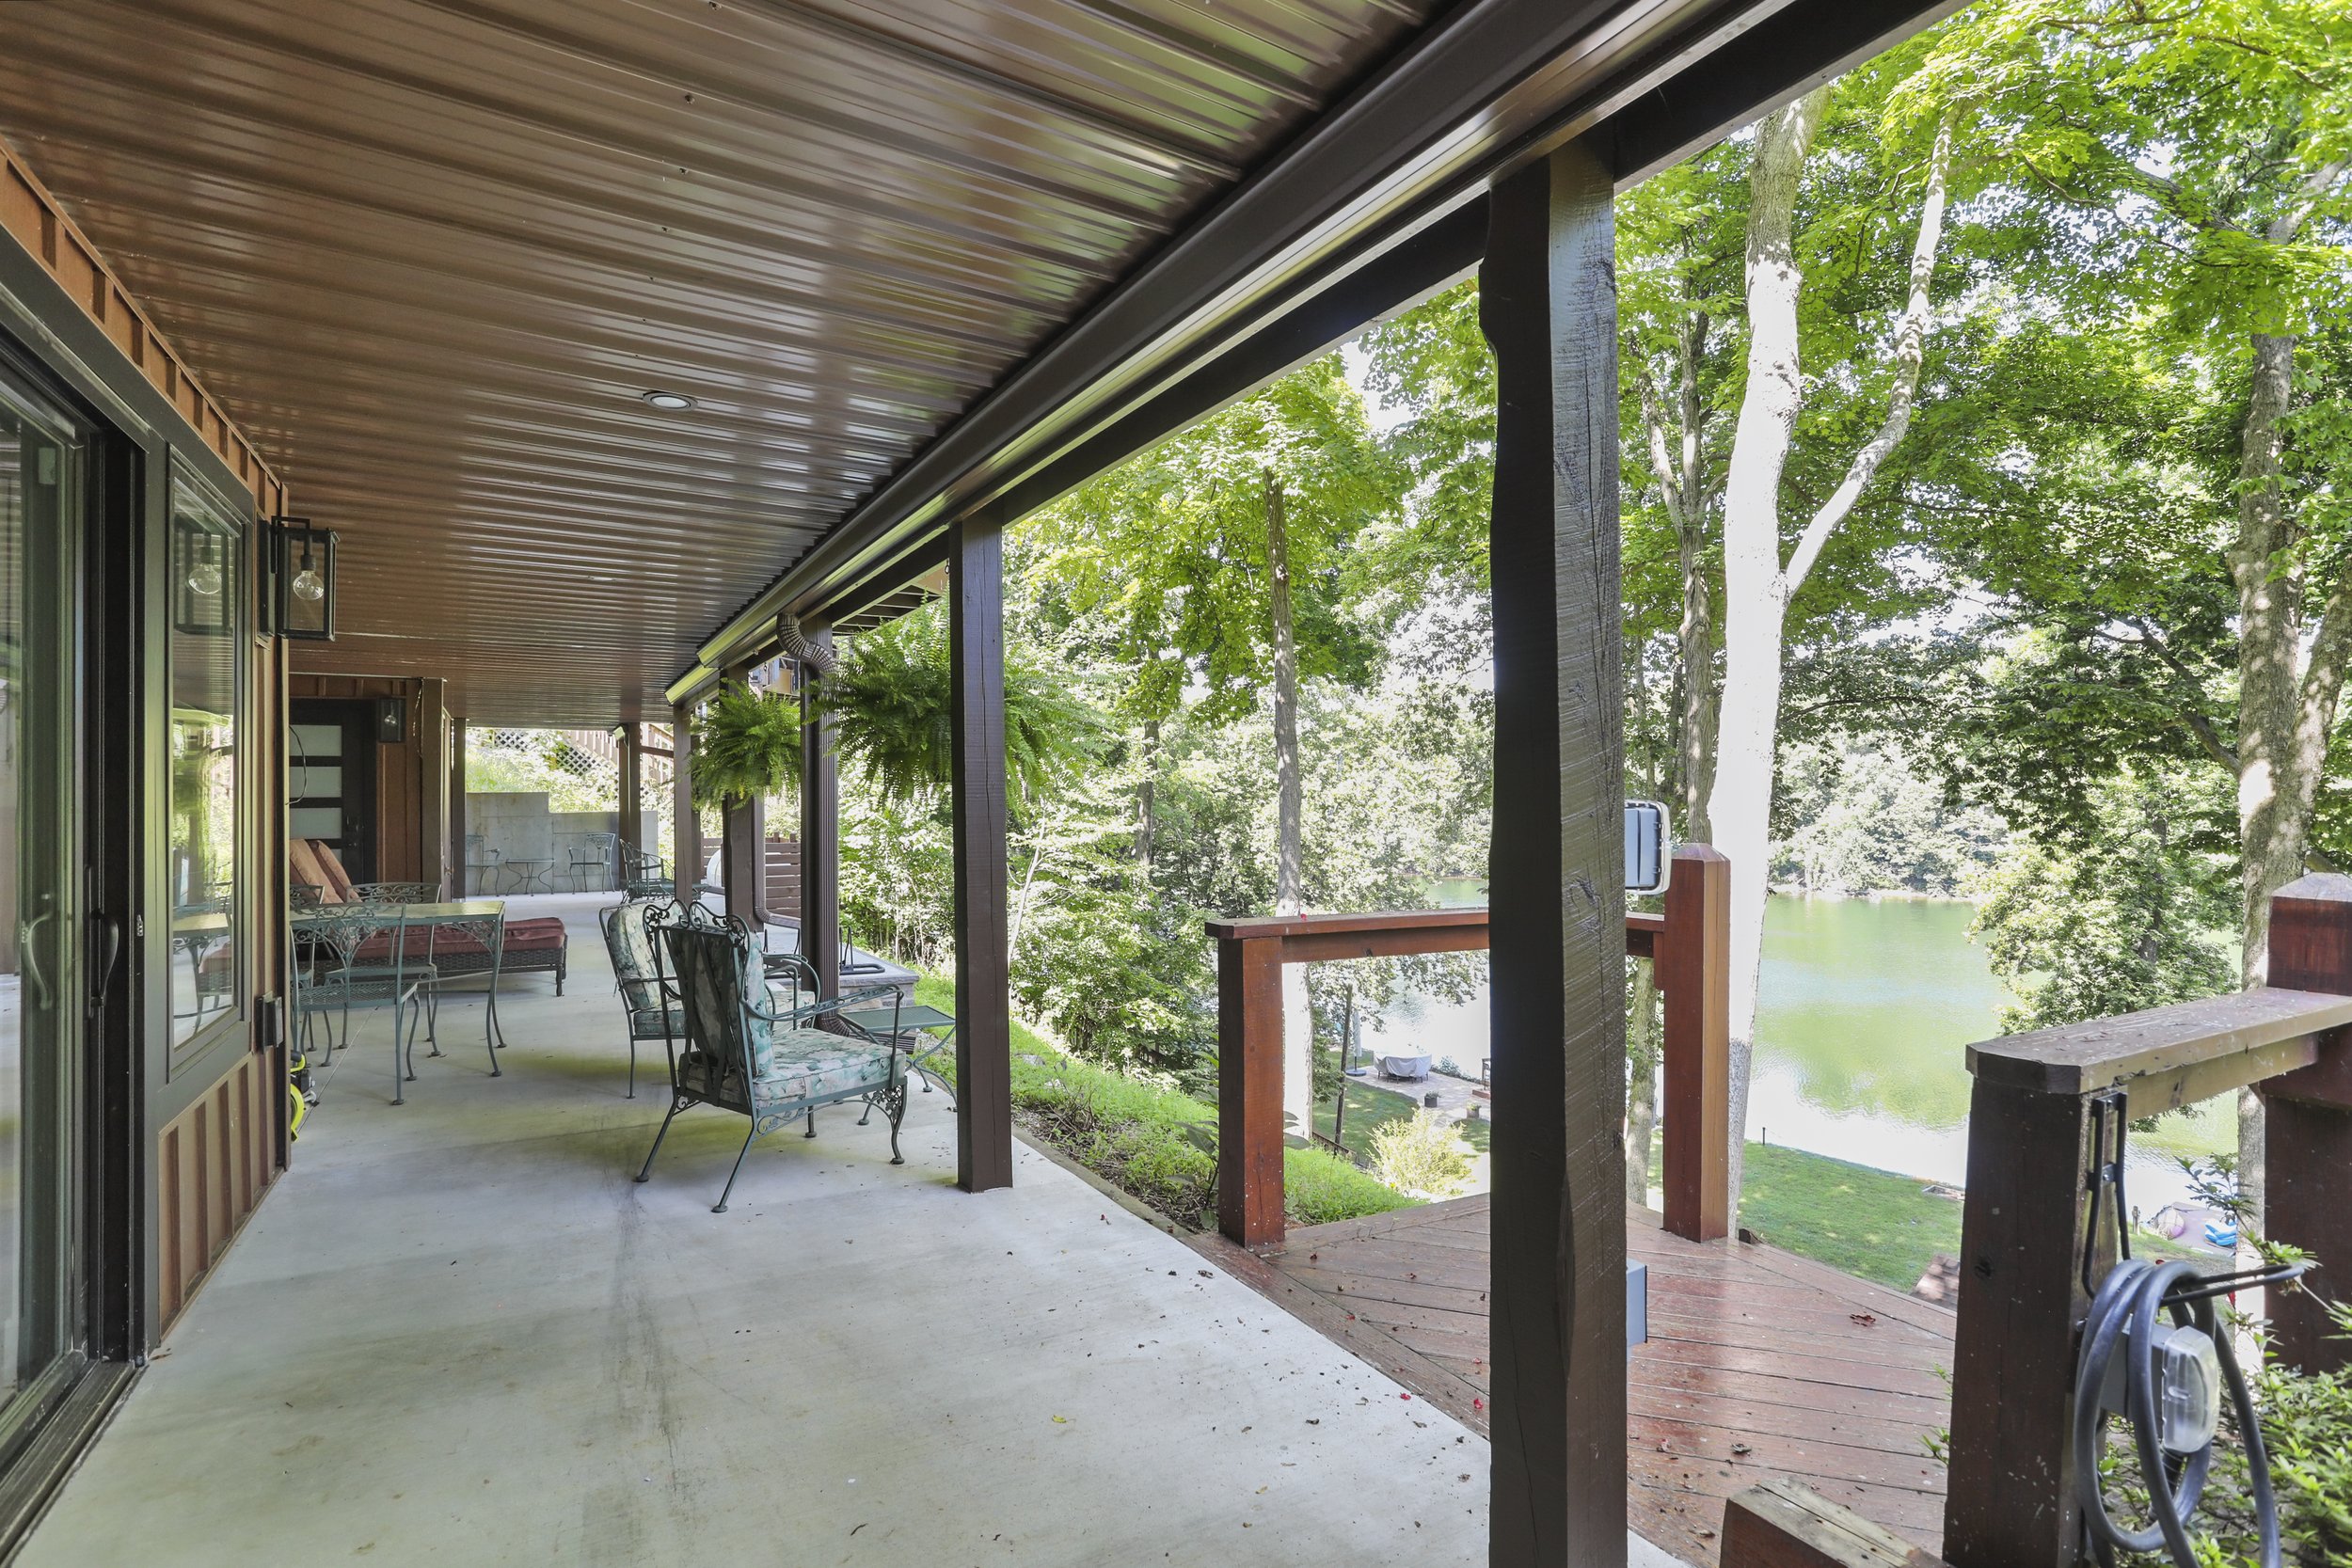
x=408 y=917
x=915 y=1019
x=522 y=873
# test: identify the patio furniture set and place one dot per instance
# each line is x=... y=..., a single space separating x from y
x=592 y=863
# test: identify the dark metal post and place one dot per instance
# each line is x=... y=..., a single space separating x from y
x=633 y=794
x=975 y=640
x=742 y=829
x=820 y=833
x=457 y=807
x=2307 y=1126
x=1548 y=307
x=685 y=835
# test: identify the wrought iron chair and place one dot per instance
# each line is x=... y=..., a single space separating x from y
x=744 y=1054
x=592 y=854
x=482 y=864
x=455 y=950
x=361 y=949
x=648 y=997
x=643 y=874
x=305 y=896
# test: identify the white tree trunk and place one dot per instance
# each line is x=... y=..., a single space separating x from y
x=1757 y=587
x=1740 y=807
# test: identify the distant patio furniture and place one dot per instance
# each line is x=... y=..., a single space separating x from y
x=909 y=1026
x=1409 y=1068
x=395 y=892
x=482 y=864
x=592 y=857
x=649 y=1001
x=742 y=1053
x=527 y=874
x=643 y=874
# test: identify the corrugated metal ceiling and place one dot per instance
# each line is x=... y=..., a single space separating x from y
x=430 y=253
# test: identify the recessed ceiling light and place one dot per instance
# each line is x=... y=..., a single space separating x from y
x=670 y=402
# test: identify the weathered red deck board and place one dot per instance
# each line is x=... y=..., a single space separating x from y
x=1760 y=1363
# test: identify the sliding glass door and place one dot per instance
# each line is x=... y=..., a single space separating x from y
x=44 y=1337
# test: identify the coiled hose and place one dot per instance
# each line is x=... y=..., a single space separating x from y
x=2131 y=1295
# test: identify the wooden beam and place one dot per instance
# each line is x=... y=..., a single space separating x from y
x=821 y=831
x=1249 y=1088
x=2307 y=1128
x=2011 y=1502
x=1694 y=970
x=1548 y=307
x=1783 y=1524
x=975 y=641
x=632 y=792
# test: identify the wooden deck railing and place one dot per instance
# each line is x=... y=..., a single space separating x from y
x=2027 y=1225
x=1689 y=944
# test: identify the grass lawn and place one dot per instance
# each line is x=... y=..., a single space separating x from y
x=1867 y=1221
x=1158 y=1143
x=1369 y=1107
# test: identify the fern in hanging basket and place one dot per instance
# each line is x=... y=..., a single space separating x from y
x=747 y=747
x=890 y=701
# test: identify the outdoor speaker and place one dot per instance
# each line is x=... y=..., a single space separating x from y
x=391 y=720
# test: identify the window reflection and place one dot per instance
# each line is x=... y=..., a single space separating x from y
x=207 y=642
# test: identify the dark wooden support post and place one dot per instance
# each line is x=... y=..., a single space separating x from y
x=742 y=834
x=820 y=833
x=2011 y=1497
x=632 y=791
x=975 y=636
x=1694 y=966
x=1549 y=307
x=686 y=834
x=1249 y=1089
x=457 y=807
x=2307 y=1126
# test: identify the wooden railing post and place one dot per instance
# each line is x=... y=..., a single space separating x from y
x=1249 y=1089
x=1694 y=970
x=2307 y=1126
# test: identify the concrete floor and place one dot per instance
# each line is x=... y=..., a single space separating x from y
x=458 y=1332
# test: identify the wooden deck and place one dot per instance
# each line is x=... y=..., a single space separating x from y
x=1760 y=1363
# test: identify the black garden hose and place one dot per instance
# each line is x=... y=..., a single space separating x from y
x=2131 y=1295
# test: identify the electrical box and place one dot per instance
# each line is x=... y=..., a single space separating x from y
x=1648 y=855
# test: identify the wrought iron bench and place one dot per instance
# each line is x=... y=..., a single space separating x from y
x=742 y=1053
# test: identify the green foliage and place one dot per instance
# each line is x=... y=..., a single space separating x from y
x=891 y=701
x=747 y=747
x=2133 y=920
x=1320 y=1188
x=1861 y=817
x=1420 y=1155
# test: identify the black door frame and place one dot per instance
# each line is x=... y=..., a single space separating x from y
x=46 y=338
x=356 y=718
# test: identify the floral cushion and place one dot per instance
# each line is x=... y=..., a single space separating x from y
x=810 y=1064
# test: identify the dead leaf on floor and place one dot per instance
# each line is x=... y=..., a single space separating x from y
x=1865 y=1319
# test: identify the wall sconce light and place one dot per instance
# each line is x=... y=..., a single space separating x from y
x=306 y=580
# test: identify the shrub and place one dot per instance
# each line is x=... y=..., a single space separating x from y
x=1320 y=1188
x=1421 y=1156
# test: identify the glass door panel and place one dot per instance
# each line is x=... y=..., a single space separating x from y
x=41 y=475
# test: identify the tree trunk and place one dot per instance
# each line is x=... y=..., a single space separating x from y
x=1739 y=805
x=1695 y=654
x=1640 y=1054
x=1298 y=1045
x=1147 y=797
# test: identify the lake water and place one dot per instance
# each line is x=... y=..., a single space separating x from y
x=1864 y=1014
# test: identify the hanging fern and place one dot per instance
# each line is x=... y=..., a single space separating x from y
x=746 y=747
x=891 y=699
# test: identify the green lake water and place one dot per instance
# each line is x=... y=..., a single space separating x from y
x=1864 y=1014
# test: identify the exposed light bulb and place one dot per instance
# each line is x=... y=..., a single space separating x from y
x=308 y=585
x=205 y=577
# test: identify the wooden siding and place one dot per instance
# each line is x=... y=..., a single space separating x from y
x=412 y=779
x=32 y=216
x=214 y=1162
